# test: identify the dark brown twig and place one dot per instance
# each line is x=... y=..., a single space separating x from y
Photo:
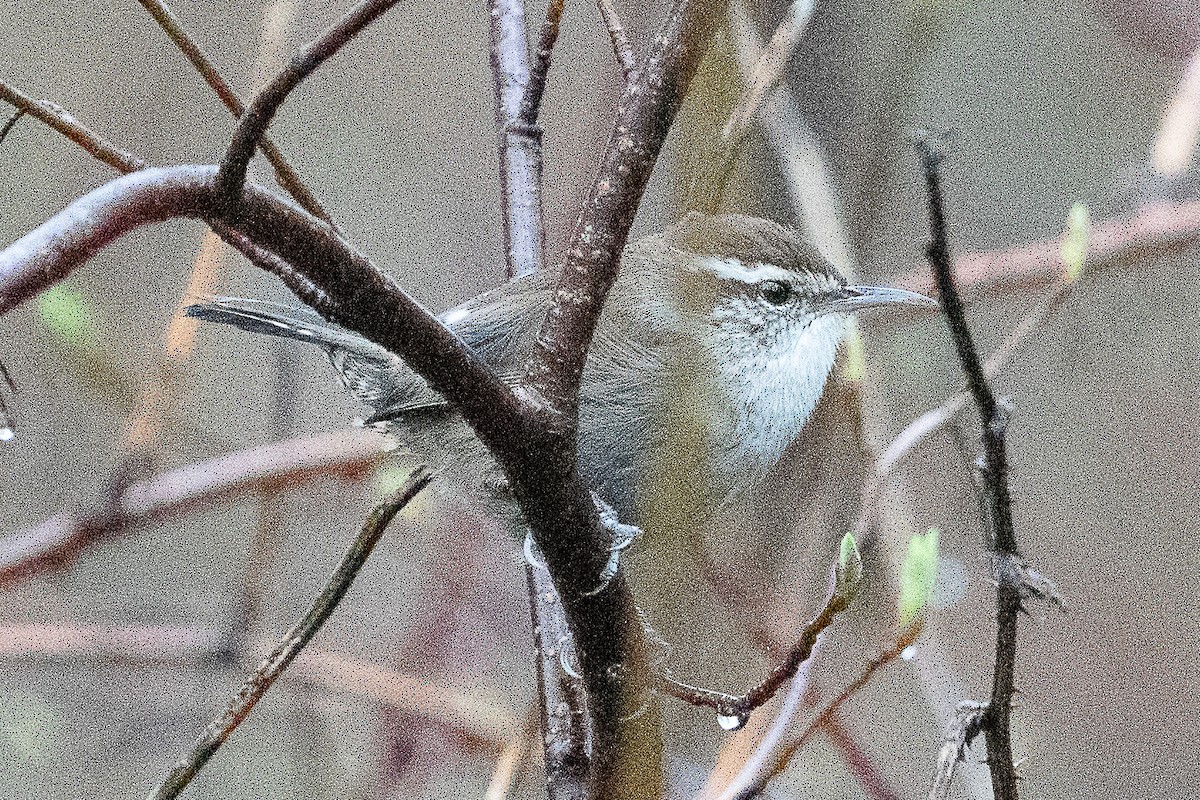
x=566 y=742
x=285 y=173
x=735 y=709
x=531 y=102
x=253 y=123
x=60 y=120
x=1008 y=566
x=622 y=49
x=293 y=642
x=519 y=139
x=12 y=122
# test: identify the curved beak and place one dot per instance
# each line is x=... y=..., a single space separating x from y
x=856 y=298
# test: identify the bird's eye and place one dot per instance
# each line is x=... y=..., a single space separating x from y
x=776 y=292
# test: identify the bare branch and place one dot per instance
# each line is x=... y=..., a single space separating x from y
x=531 y=103
x=755 y=785
x=735 y=710
x=253 y=124
x=1154 y=230
x=622 y=49
x=354 y=292
x=284 y=172
x=566 y=741
x=56 y=117
x=1008 y=565
x=347 y=455
x=293 y=642
x=519 y=137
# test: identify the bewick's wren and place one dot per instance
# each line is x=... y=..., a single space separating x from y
x=730 y=321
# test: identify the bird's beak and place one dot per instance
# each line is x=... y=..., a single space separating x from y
x=856 y=298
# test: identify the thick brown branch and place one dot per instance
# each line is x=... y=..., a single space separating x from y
x=294 y=641
x=253 y=124
x=357 y=294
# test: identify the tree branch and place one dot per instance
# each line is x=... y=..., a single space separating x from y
x=294 y=641
x=285 y=173
x=518 y=100
x=55 y=542
x=353 y=291
x=253 y=124
x=622 y=49
x=1008 y=566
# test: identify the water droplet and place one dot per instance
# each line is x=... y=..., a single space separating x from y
x=732 y=722
x=909 y=653
x=6 y=434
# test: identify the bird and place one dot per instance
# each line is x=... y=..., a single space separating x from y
x=726 y=324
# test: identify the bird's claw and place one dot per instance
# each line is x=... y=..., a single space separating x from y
x=621 y=536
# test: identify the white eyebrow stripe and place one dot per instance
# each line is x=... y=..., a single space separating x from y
x=737 y=270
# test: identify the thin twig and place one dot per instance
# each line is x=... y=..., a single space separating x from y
x=737 y=708
x=62 y=121
x=755 y=787
x=301 y=633
x=1008 y=566
x=518 y=98
x=936 y=419
x=531 y=102
x=285 y=173
x=252 y=125
x=12 y=122
x=707 y=193
x=622 y=49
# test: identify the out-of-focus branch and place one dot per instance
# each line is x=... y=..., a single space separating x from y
x=707 y=193
x=1154 y=230
x=301 y=633
x=346 y=455
x=1008 y=565
x=519 y=138
x=1175 y=142
x=284 y=172
x=752 y=786
x=481 y=720
x=622 y=49
x=252 y=125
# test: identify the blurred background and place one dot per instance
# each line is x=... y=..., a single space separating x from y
x=114 y=658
